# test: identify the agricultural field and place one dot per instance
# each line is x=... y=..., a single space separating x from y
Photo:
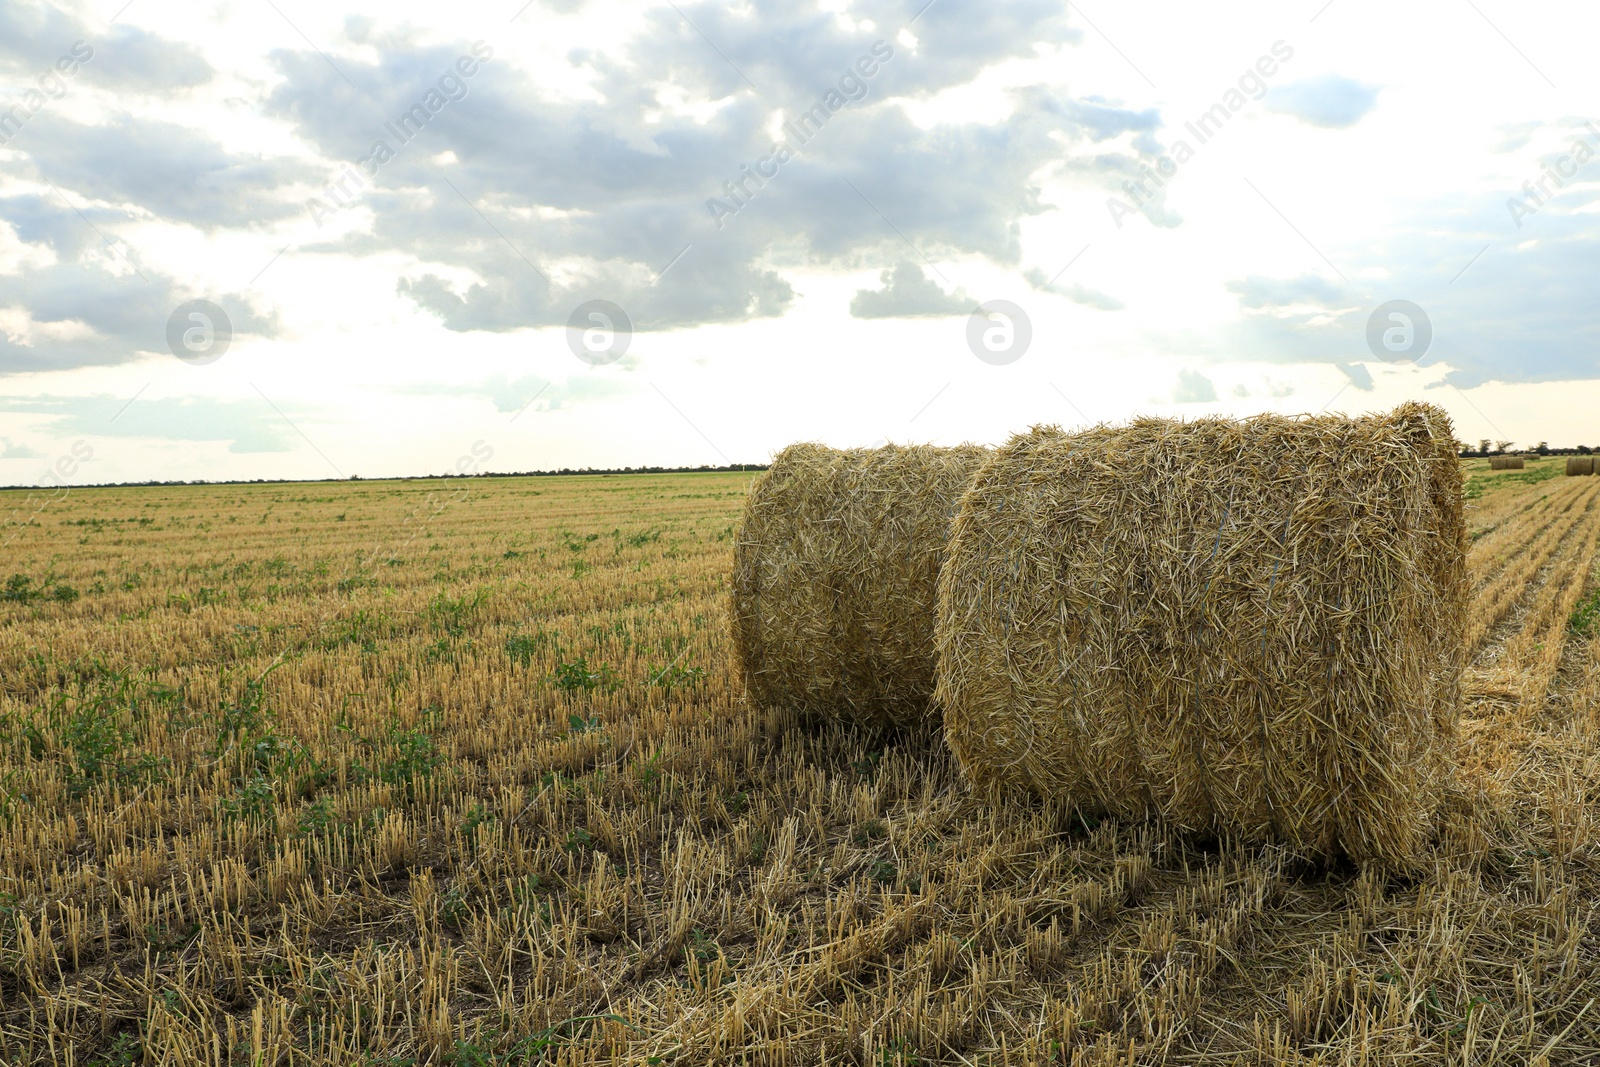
x=458 y=772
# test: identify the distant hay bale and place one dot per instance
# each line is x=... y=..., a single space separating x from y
x=1251 y=628
x=1578 y=466
x=1506 y=463
x=836 y=570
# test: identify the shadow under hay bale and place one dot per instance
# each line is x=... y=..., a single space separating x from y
x=1579 y=466
x=1246 y=628
x=835 y=576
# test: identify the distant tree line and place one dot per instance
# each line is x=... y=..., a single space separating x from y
x=423 y=477
x=1487 y=447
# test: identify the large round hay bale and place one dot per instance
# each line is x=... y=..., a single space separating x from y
x=835 y=577
x=1578 y=466
x=1513 y=463
x=1250 y=628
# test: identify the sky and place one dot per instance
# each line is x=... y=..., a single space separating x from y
x=279 y=239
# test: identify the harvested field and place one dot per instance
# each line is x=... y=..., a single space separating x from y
x=459 y=773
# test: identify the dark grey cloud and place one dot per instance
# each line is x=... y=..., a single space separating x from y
x=1331 y=100
x=125 y=302
x=908 y=292
x=1505 y=304
x=1257 y=291
x=10 y=449
x=247 y=425
x=34 y=36
x=1078 y=294
x=172 y=171
x=1359 y=376
x=1193 y=388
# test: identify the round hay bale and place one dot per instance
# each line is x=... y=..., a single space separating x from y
x=1251 y=628
x=835 y=577
x=1513 y=463
x=1497 y=463
x=1578 y=466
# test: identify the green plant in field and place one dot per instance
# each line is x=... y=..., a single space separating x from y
x=1585 y=619
x=579 y=725
x=703 y=948
x=676 y=676
x=476 y=816
x=96 y=736
x=317 y=818
x=415 y=756
x=577 y=676
x=19 y=589
x=403 y=755
x=361 y=628
x=244 y=720
x=126 y=1051
x=453 y=908
x=252 y=801
x=452 y=614
x=531 y=1049
x=523 y=647
x=574 y=544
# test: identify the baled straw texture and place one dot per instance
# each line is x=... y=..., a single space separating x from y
x=1251 y=628
x=835 y=577
x=1578 y=466
x=1506 y=463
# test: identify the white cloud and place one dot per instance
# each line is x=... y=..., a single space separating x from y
x=1330 y=101
x=908 y=292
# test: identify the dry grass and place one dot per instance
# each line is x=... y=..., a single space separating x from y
x=835 y=579
x=496 y=778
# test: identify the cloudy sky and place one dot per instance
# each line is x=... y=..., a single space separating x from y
x=275 y=238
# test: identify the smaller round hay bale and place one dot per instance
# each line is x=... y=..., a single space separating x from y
x=835 y=578
x=1514 y=463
